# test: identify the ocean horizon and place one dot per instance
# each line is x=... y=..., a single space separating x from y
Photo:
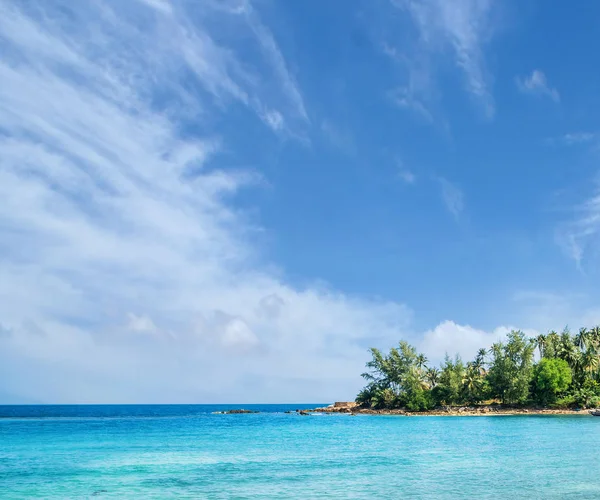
x=190 y=451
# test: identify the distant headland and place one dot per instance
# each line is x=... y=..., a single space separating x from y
x=507 y=379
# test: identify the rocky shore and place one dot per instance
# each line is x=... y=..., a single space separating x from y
x=487 y=410
x=235 y=411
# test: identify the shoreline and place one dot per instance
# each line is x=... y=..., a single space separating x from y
x=483 y=411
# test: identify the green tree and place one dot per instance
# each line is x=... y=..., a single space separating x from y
x=510 y=370
x=474 y=384
x=432 y=377
x=551 y=345
x=551 y=377
x=594 y=339
x=540 y=343
x=582 y=339
x=449 y=390
x=479 y=362
x=394 y=379
x=568 y=374
x=568 y=350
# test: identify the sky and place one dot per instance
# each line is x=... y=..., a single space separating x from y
x=214 y=201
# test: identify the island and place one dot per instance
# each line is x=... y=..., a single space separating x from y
x=549 y=374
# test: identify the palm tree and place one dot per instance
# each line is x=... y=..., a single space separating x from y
x=567 y=349
x=432 y=376
x=590 y=362
x=540 y=343
x=594 y=335
x=551 y=344
x=582 y=338
x=569 y=352
x=473 y=382
x=479 y=362
x=420 y=368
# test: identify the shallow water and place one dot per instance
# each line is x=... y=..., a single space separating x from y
x=189 y=452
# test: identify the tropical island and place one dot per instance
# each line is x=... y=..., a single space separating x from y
x=553 y=373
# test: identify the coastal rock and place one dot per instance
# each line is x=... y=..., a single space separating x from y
x=241 y=410
x=345 y=404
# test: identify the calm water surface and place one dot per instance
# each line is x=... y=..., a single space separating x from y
x=189 y=452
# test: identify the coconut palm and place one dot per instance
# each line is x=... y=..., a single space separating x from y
x=473 y=383
x=582 y=338
x=432 y=376
x=594 y=337
x=590 y=362
x=571 y=355
x=551 y=344
x=540 y=343
x=479 y=361
x=421 y=361
x=567 y=349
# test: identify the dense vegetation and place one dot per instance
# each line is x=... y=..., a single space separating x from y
x=566 y=374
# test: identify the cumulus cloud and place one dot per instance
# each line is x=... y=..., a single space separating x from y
x=451 y=338
x=537 y=84
x=140 y=324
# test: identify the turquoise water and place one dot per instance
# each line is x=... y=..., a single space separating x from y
x=188 y=452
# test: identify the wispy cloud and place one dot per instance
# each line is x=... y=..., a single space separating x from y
x=273 y=119
x=462 y=27
x=579 y=138
x=537 y=84
x=338 y=136
x=407 y=98
x=405 y=174
x=452 y=197
x=127 y=266
x=277 y=61
x=583 y=230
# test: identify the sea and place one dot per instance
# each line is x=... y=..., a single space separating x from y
x=190 y=451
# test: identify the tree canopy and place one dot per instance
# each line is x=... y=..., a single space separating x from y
x=553 y=369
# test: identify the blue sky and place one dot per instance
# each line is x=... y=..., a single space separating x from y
x=210 y=201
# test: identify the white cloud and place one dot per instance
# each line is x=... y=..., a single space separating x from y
x=405 y=174
x=140 y=324
x=579 y=138
x=452 y=196
x=128 y=272
x=161 y=5
x=273 y=54
x=407 y=98
x=274 y=120
x=583 y=230
x=338 y=137
x=461 y=27
x=451 y=338
x=537 y=84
